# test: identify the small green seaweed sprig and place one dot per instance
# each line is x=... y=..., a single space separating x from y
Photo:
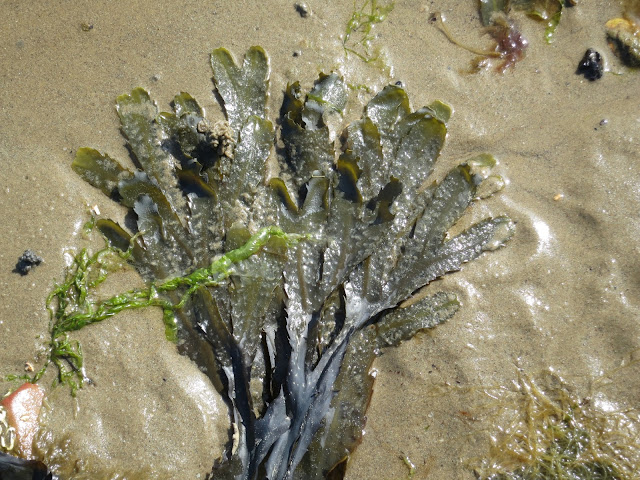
x=358 y=35
x=73 y=305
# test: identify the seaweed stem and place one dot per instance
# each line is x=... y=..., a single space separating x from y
x=444 y=29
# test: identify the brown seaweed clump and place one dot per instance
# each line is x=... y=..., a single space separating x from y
x=543 y=431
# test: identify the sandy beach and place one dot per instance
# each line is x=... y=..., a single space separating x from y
x=563 y=294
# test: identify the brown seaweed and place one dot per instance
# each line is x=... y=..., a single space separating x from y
x=289 y=333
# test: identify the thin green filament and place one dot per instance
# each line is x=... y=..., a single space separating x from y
x=71 y=307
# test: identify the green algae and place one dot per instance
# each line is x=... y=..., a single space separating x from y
x=358 y=38
x=73 y=304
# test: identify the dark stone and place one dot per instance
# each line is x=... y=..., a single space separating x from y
x=28 y=260
x=303 y=9
x=591 y=65
x=14 y=468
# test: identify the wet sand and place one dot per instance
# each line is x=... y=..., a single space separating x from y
x=565 y=293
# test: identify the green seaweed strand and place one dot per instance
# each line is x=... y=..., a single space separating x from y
x=362 y=21
x=71 y=307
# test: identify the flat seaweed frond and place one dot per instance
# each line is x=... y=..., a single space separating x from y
x=282 y=288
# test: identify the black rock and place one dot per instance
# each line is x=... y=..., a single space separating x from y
x=28 y=260
x=13 y=468
x=591 y=65
x=303 y=9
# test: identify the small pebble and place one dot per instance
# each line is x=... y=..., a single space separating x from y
x=303 y=9
x=591 y=65
x=28 y=260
